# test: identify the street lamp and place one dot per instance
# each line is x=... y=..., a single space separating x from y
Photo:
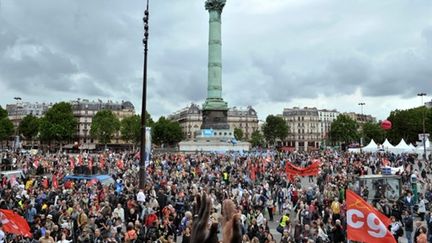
x=361 y=104
x=142 y=172
x=424 y=130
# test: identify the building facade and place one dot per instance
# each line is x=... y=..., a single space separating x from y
x=19 y=110
x=360 y=118
x=304 y=128
x=326 y=117
x=190 y=119
x=84 y=110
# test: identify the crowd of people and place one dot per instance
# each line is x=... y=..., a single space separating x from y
x=236 y=197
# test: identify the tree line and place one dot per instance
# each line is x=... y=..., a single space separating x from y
x=59 y=125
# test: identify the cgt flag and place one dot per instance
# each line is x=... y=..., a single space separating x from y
x=14 y=223
x=365 y=223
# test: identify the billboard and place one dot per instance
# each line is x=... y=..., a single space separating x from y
x=148 y=143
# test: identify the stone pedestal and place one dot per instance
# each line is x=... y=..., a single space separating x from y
x=215 y=119
x=202 y=144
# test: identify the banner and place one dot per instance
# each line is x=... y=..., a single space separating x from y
x=365 y=223
x=148 y=141
x=14 y=223
x=312 y=170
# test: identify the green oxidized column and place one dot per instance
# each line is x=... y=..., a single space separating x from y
x=214 y=90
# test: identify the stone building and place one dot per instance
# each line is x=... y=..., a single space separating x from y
x=304 y=128
x=19 y=110
x=190 y=119
x=84 y=111
x=326 y=117
x=360 y=118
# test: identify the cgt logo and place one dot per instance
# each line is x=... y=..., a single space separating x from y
x=357 y=220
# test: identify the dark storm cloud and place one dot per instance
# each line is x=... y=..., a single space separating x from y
x=273 y=51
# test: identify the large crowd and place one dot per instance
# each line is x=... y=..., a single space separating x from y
x=268 y=206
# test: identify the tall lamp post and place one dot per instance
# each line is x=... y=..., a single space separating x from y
x=361 y=104
x=142 y=171
x=424 y=130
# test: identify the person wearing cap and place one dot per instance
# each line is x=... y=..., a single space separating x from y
x=49 y=224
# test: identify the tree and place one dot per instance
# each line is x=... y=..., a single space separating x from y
x=29 y=127
x=166 y=132
x=131 y=129
x=373 y=131
x=104 y=125
x=344 y=129
x=275 y=128
x=6 y=126
x=257 y=139
x=149 y=120
x=58 y=124
x=238 y=133
x=407 y=124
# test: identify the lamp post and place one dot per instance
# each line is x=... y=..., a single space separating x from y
x=142 y=171
x=424 y=130
x=361 y=104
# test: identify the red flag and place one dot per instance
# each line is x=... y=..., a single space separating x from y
x=102 y=161
x=90 y=163
x=365 y=223
x=72 y=163
x=253 y=173
x=79 y=160
x=55 y=181
x=36 y=163
x=45 y=183
x=120 y=164
x=14 y=223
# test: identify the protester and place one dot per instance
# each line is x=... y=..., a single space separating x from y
x=257 y=186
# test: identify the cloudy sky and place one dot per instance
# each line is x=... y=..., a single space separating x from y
x=276 y=53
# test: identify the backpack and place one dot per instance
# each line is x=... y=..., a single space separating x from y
x=400 y=232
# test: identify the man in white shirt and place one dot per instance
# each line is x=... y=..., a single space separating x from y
x=120 y=212
x=140 y=196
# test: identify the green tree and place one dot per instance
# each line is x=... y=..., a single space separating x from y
x=344 y=129
x=166 y=132
x=238 y=133
x=29 y=127
x=6 y=126
x=149 y=120
x=275 y=128
x=257 y=139
x=373 y=131
x=58 y=124
x=104 y=125
x=3 y=113
x=407 y=124
x=131 y=129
